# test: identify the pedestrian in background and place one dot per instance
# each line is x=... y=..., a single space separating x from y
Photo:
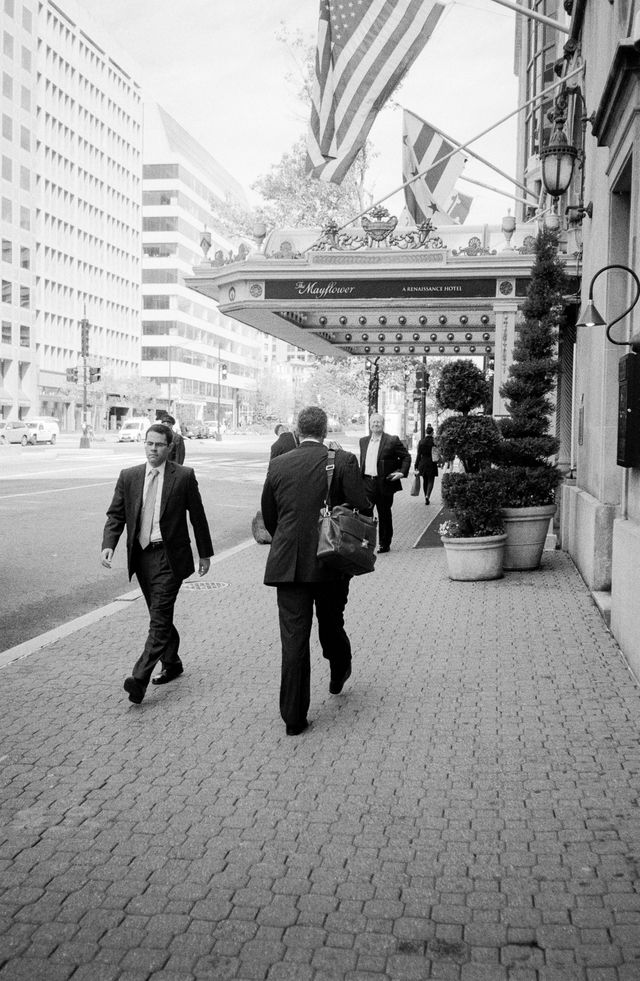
x=425 y=465
x=152 y=502
x=294 y=492
x=178 y=449
x=287 y=440
x=384 y=461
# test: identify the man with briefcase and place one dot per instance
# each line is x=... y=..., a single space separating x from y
x=293 y=496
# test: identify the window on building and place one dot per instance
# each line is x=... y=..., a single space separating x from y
x=7 y=210
x=25 y=257
x=25 y=178
x=25 y=218
x=25 y=335
x=25 y=296
x=7 y=85
x=155 y=302
x=168 y=224
x=6 y=291
x=26 y=59
x=7 y=250
x=6 y=332
x=159 y=197
x=9 y=7
x=25 y=138
x=7 y=44
x=25 y=98
x=7 y=126
x=159 y=275
x=7 y=168
x=160 y=250
x=27 y=20
x=159 y=171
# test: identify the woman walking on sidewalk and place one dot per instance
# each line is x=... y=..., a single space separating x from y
x=425 y=465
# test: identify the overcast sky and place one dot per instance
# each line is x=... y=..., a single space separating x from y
x=216 y=66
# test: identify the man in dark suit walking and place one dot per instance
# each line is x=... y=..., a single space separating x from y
x=177 y=450
x=152 y=501
x=293 y=495
x=286 y=441
x=384 y=460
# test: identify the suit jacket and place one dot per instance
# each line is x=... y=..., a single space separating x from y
x=284 y=443
x=392 y=456
x=180 y=494
x=293 y=495
x=177 y=451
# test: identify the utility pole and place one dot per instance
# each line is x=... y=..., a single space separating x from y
x=85 y=442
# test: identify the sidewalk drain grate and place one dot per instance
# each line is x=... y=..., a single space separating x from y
x=205 y=585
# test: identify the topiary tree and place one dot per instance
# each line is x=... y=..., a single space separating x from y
x=471 y=438
x=526 y=446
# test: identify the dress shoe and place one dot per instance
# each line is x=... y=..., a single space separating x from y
x=297 y=729
x=384 y=548
x=167 y=674
x=135 y=690
x=335 y=687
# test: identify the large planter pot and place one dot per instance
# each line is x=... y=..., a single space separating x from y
x=474 y=559
x=526 y=533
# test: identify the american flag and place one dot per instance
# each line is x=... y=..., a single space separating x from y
x=425 y=149
x=364 y=49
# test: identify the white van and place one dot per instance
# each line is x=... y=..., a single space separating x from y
x=133 y=431
x=44 y=429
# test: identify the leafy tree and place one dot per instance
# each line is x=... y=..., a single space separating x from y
x=462 y=387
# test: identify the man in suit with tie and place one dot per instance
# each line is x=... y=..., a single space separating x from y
x=293 y=495
x=384 y=461
x=152 y=501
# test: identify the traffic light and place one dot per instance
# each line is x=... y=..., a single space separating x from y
x=223 y=369
x=84 y=346
x=94 y=374
x=72 y=375
x=422 y=379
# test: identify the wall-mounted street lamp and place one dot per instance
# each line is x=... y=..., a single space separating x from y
x=558 y=157
x=590 y=317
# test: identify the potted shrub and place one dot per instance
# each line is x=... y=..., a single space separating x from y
x=530 y=478
x=474 y=539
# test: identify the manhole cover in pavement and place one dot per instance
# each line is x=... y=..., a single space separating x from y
x=205 y=585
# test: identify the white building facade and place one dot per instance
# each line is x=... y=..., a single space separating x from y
x=204 y=364
x=72 y=129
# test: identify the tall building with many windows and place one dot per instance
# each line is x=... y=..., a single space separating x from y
x=71 y=206
x=204 y=362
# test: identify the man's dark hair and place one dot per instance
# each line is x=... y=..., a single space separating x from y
x=312 y=421
x=159 y=427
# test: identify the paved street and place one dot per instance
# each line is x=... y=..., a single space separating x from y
x=467 y=809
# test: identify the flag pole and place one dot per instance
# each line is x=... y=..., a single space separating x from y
x=463 y=146
x=472 y=153
x=533 y=15
x=490 y=187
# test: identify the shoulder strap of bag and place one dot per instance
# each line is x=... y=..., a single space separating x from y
x=331 y=466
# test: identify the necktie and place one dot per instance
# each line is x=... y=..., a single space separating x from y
x=148 y=508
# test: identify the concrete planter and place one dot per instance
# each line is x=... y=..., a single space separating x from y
x=526 y=533
x=474 y=559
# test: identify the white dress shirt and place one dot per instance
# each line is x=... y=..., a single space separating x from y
x=156 y=535
x=371 y=459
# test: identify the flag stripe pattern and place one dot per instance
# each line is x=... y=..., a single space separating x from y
x=364 y=49
x=425 y=149
x=459 y=207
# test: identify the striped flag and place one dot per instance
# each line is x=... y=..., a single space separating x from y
x=364 y=49
x=459 y=207
x=424 y=148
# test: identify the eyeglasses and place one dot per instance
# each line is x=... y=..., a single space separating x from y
x=148 y=443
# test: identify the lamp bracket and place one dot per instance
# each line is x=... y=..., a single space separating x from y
x=634 y=345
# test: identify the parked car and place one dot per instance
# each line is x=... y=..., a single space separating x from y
x=195 y=430
x=44 y=428
x=133 y=431
x=17 y=431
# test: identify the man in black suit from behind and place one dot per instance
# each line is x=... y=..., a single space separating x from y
x=293 y=495
x=384 y=460
x=177 y=451
x=152 y=501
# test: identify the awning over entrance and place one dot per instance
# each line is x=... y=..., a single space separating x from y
x=380 y=290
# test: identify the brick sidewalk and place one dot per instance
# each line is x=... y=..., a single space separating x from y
x=467 y=809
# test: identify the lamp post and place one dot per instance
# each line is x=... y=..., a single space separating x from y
x=85 y=442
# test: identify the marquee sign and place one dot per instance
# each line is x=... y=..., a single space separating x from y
x=387 y=289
